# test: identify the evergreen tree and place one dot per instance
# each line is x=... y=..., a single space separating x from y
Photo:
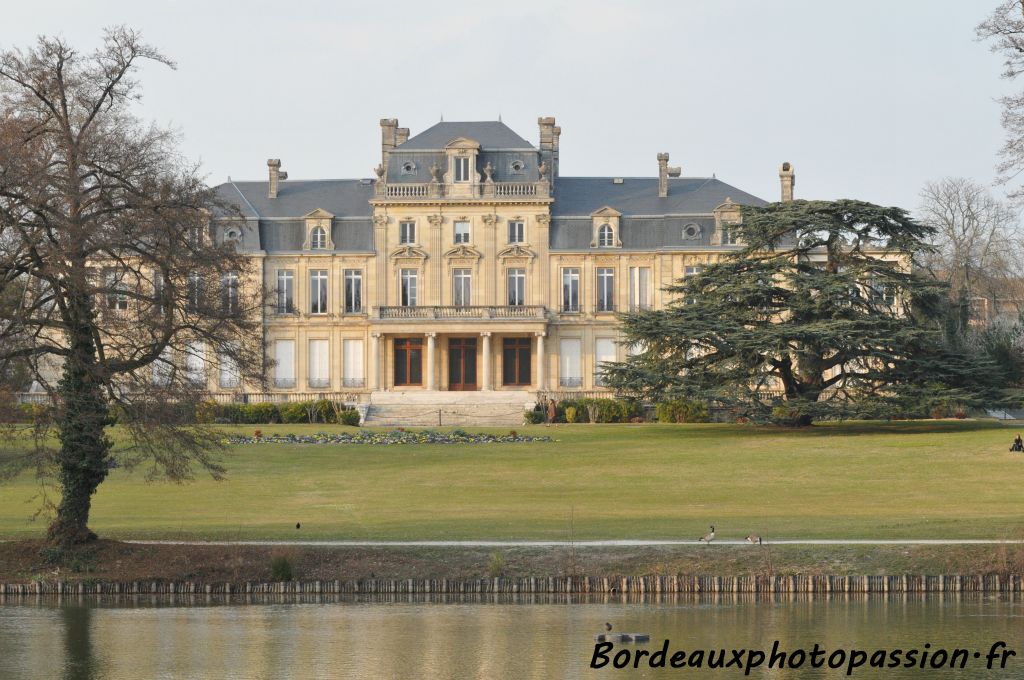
x=820 y=314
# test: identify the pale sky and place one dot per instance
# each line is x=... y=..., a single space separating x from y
x=868 y=99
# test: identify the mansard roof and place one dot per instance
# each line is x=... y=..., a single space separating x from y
x=296 y=198
x=582 y=196
x=491 y=134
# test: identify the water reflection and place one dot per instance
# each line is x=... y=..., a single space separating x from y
x=447 y=637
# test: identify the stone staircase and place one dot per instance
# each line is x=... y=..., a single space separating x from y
x=433 y=409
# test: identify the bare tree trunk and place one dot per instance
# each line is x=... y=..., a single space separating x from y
x=84 y=450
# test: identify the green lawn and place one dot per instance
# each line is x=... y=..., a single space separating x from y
x=870 y=480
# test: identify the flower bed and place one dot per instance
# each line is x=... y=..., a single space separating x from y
x=390 y=437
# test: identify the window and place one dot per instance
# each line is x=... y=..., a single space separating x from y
x=516 y=232
x=882 y=293
x=159 y=293
x=640 y=293
x=462 y=169
x=319 y=364
x=604 y=352
x=163 y=368
x=408 y=286
x=406 y=232
x=284 y=364
x=318 y=291
x=517 y=167
x=285 y=291
x=569 y=362
x=408 y=361
x=195 y=363
x=408 y=168
x=462 y=232
x=462 y=289
x=229 y=293
x=228 y=362
x=195 y=292
x=691 y=231
x=516 y=283
x=352 y=354
x=605 y=236
x=571 y=290
x=687 y=273
x=606 y=289
x=318 y=238
x=353 y=291
x=515 y=361
x=117 y=300
x=729 y=235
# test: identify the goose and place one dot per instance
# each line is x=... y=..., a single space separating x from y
x=607 y=626
x=754 y=538
x=708 y=537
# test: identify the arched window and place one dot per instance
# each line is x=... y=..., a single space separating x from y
x=605 y=236
x=318 y=238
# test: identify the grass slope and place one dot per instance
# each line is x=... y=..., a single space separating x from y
x=859 y=480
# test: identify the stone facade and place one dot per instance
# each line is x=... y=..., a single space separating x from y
x=467 y=263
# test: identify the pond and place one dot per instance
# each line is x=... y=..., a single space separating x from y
x=442 y=638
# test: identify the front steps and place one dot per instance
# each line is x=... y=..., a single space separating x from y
x=434 y=409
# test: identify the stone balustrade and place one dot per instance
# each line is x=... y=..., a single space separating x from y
x=463 y=312
x=436 y=190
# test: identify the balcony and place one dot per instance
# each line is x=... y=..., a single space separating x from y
x=284 y=383
x=463 y=312
x=353 y=383
x=438 y=190
x=567 y=381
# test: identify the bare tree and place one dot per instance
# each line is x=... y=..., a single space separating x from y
x=978 y=244
x=114 y=278
x=1004 y=28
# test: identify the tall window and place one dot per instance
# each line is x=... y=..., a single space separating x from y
x=408 y=361
x=318 y=238
x=605 y=289
x=318 y=291
x=462 y=291
x=640 y=293
x=408 y=283
x=407 y=232
x=570 y=362
x=195 y=363
x=117 y=300
x=516 y=282
x=195 y=292
x=319 y=364
x=687 y=273
x=229 y=293
x=515 y=361
x=605 y=236
x=728 y=235
x=352 y=354
x=163 y=368
x=227 y=359
x=462 y=169
x=353 y=291
x=571 y=289
x=284 y=364
x=462 y=232
x=285 y=291
x=604 y=352
x=159 y=293
x=516 y=232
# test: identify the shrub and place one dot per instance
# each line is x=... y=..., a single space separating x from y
x=496 y=565
x=350 y=416
x=281 y=569
x=323 y=411
x=570 y=414
x=533 y=417
x=294 y=412
x=681 y=411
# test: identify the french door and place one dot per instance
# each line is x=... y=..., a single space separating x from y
x=408 y=361
x=462 y=364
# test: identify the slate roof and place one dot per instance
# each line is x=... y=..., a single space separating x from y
x=491 y=134
x=295 y=198
x=579 y=196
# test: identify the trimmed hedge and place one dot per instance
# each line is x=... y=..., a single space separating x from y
x=681 y=411
x=588 y=410
x=291 y=413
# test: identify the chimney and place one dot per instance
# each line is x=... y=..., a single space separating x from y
x=788 y=179
x=274 y=165
x=664 y=172
x=549 y=134
x=388 y=135
x=401 y=136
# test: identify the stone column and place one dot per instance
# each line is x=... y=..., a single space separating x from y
x=431 y=370
x=541 y=362
x=374 y=371
x=486 y=361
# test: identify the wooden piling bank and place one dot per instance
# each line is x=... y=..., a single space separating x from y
x=582 y=585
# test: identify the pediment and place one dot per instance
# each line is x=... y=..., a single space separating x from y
x=464 y=251
x=462 y=143
x=727 y=205
x=410 y=252
x=517 y=251
x=318 y=214
x=606 y=211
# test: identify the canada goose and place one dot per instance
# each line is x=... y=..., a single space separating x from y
x=754 y=538
x=708 y=537
x=298 y=525
x=608 y=626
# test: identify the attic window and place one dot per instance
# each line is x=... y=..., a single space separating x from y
x=605 y=236
x=232 y=235
x=691 y=231
x=318 y=238
x=408 y=168
x=517 y=167
x=617 y=180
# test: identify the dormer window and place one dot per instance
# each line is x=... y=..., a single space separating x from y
x=462 y=169
x=408 y=168
x=318 y=238
x=232 y=235
x=691 y=231
x=517 y=167
x=605 y=236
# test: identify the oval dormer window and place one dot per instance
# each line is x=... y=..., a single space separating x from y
x=232 y=234
x=691 y=231
x=408 y=168
x=517 y=167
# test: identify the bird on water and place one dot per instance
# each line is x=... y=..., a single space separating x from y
x=708 y=537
